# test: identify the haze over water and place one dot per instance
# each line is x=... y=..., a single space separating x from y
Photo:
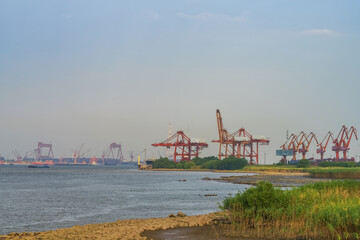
x=63 y=196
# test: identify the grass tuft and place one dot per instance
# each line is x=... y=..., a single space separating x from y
x=324 y=210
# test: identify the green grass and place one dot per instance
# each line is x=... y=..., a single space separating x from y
x=274 y=168
x=336 y=172
x=326 y=210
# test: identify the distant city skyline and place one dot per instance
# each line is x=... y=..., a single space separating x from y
x=97 y=72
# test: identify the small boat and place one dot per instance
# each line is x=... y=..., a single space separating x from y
x=38 y=166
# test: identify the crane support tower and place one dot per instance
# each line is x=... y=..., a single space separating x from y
x=113 y=155
x=184 y=147
x=342 y=142
x=240 y=144
x=39 y=153
x=324 y=143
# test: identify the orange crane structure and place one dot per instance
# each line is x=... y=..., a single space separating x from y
x=184 y=147
x=342 y=142
x=291 y=144
x=299 y=143
x=240 y=144
x=324 y=143
x=306 y=143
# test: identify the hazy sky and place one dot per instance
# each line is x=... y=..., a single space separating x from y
x=97 y=72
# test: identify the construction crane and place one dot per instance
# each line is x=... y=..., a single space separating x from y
x=76 y=153
x=324 y=143
x=18 y=156
x=239 y=144
x=299 y=143
x=184 y=147
x=291 y=144
x=342 y=142
x=226 y=140
x=351 y=132
x=306 y=143
x=244 y=145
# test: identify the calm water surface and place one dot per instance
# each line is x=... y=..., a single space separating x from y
x=63 y=196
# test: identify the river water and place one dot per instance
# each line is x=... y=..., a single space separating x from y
x=63 y=196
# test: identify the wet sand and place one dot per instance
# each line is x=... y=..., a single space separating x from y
x=210 y=232
x=121 y=229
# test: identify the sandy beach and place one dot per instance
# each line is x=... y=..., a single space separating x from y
x=122 y=229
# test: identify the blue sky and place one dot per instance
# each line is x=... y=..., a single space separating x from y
x=104 y=71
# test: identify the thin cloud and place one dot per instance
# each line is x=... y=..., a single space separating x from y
x=206 y=16
x=319 y=32
x=153 y=15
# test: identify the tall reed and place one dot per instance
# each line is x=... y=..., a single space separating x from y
x=324 y=210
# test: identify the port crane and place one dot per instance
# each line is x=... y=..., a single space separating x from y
x=240 y=144
x=305 y=142
x=184 y=147
x=342 y=141
x=324 y=143
x=291 y=144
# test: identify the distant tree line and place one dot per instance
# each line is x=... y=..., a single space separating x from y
x=212 y=162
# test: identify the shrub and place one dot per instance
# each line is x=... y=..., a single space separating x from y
x=199 y=161
x=339 y=164
x=304 y=163
x=163 y=163
x=232 y=163
x=189 y=165
x=213 y=164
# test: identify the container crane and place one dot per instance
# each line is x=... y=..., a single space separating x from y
x=226 y=140
x=184 y=147
x=239 y=144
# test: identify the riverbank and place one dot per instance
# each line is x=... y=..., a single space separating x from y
x=121 y=229
x=278 y=179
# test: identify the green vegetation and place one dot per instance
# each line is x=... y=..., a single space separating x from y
x=230 y=163
x=163 y=163
x=273 y=168
x=339 y=164
x=326 y=210
x=338 y=173
x=304 y=163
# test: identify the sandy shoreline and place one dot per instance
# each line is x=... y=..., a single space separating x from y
x=121 y=229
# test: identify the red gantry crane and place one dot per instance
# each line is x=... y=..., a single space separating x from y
x=239 y=144
x=291 y=144
x=342 y=142
x=299 y=143
x=306 y=144
x=183 y=146
x=226 y=140
x=324 y=143
x=351 y=132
